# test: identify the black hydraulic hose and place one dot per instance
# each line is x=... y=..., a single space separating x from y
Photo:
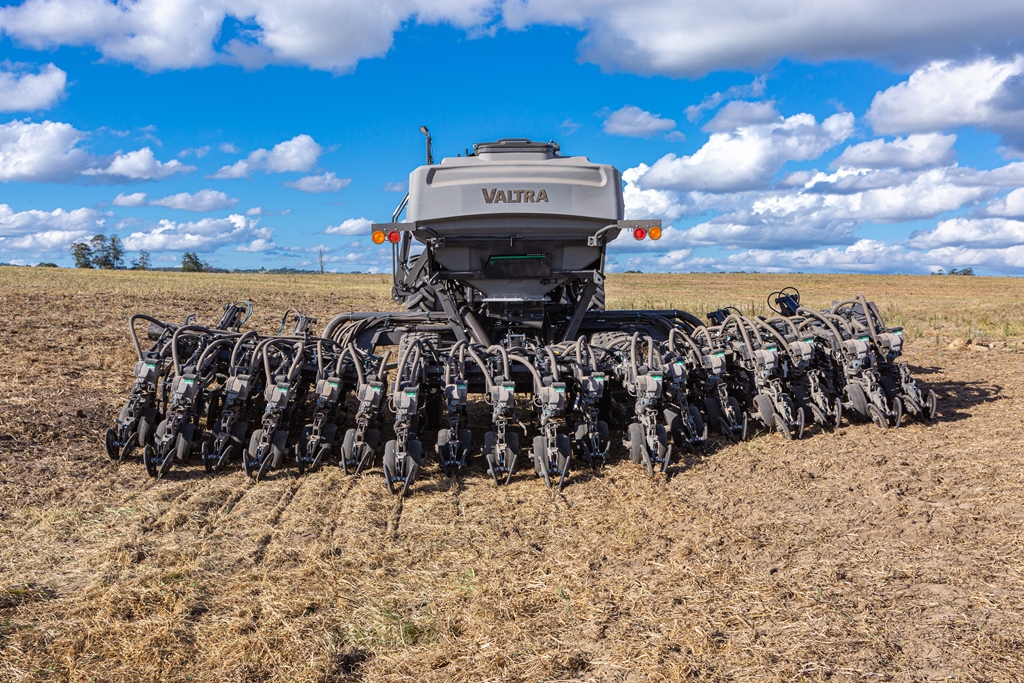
x=874 y=322
x=538 y=383
x=376 y=316
x=818 y=316
x=174 y=342
x=504 y=359
x=774 y=332
x=743 y=331
x=238 y=345
x=135 y=335
x=842 y=322
x=457 y=349
x=689 y=340
x=632 y=354
x=554 y=362
x=488 y=382
x=787 y=321
x=206 y=352
x=415 y=345
x=352 y=352
x=580 y=343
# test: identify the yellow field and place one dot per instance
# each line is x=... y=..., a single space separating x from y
x=861 y=555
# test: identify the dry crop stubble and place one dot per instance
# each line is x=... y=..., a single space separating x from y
x=866 y=554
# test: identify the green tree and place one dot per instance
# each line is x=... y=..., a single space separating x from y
x=46 y=264
x=107 y=252
x=82 y=253
x=115 y=252
x=142 y=262
x=190 y=263
x=100 y=252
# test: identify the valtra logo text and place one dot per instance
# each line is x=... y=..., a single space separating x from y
x=496 y=196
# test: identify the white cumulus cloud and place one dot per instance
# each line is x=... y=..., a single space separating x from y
x=634 y=122
x=298 y=154
x=40 y=152
x=45 y=231
x=318 y=184
x=912 y=152
x=693 y=38
x=203 y=235
x=1010 y=206
x=352 y=226
x=971 y=232
x=750 y=155
x=140 y=164
x=203 y=200
x=986 y=92
x=678 y=37
x=134 y=199
x=23 y=90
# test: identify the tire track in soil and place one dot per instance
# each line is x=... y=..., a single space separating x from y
x=275 y=515
x=395 y=519
x=307 y=507
x=331 y=522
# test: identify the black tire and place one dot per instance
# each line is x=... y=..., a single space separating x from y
x=148 y=454
x=637 y=443
x=674 y=423
x=186 y=438
x=413 y=460
x=444 y=449
x=714 y=412
x=207 y=457
x=512 y=440
x=390 y=465
x=564 y=456
x=858 y=401
x=348 y=445
x=765 y=410
x=250 y=464
x=540 y=459
x=931 y=406
x=302 y=447
x=128 y=447
x=698 y=423
x=878 y=417
x=663 y=452
x=329 y=437
x=490 y=452
x=897 y=409
x=146 y=426
x=782 y=427
x=278 y=448
x=110 y=443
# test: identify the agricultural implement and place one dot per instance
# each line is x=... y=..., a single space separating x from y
x=499 y=265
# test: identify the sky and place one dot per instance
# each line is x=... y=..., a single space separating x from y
x=768 y=135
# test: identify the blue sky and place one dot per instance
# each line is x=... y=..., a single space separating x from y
x=770 y=135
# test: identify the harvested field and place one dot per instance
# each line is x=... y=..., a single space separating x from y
x=862 y=555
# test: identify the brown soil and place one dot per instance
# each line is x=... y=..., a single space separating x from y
x=863 y=555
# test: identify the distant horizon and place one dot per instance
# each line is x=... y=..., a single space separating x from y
x=767 y=136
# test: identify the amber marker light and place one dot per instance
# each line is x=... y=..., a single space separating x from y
x=378 y=237
x=655 y=233
x=639 y=233
x=394 y=236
